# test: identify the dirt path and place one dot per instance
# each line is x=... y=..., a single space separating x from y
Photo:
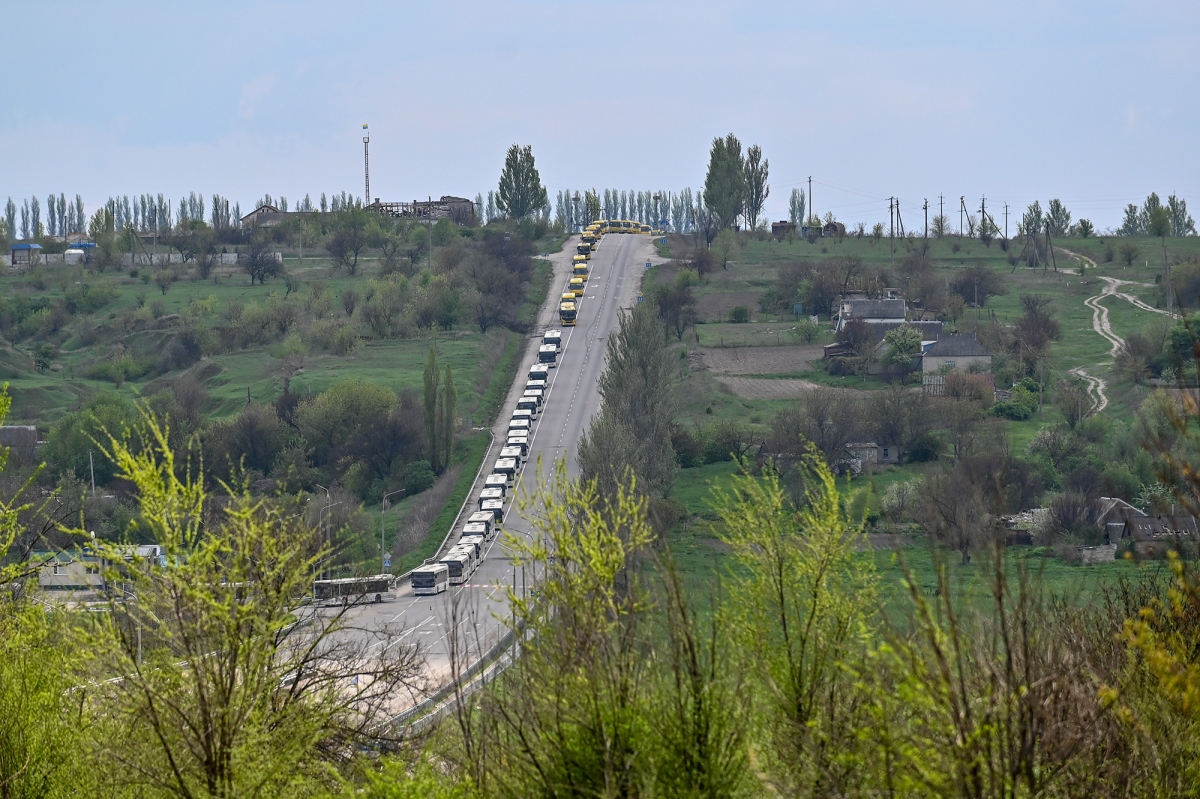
x=1095 y=389
x=1112 y=288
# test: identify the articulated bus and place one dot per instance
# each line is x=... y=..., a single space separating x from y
x=432 y=578
x=353 y=590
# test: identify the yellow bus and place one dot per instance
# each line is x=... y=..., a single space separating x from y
x=576 y=286
x=643 y=228
x=567 y=313
x=584 y=250
x=581 y=269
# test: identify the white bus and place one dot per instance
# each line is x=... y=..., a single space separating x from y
x=539 y=371
x=518 y=423
x=495 y=481
x=483 y=530
x=432 y=578
x=490 y=493
x=486 y=518
x=516 y=453
x=506 y=467
x=548 y=354
x=528 y=403
x=458 y=564
x=470 y=552
x=475 y=542
x=519 y=441
x=496 y=506
x=353 y=590
x=552 y=337
x=524 y=413
x=535 y=393
x=535 y=383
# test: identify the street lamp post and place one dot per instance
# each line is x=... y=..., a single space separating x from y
x=383 y=558
x=321 y=516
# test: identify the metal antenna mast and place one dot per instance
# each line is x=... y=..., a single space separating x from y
x=366 y=166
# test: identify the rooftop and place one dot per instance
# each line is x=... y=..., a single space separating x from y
x=958 y=346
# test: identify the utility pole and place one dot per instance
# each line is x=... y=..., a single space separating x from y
x=961 y=207
x=366 y=166
x=983 y=213
x=812 y=210
x=942 y=212
x=892 y=228
x=1006 y=222
x=926 y=208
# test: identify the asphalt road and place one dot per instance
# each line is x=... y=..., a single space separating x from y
x=477 y=609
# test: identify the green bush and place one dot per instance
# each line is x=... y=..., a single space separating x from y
x=1020 y=407
x=86 y=298
x=739 y=313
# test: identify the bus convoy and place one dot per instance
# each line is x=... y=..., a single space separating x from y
x=568 y=307
x=482 y=526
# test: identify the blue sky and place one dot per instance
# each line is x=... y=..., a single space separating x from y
x=1090 y=102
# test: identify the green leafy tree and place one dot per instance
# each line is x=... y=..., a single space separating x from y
x=349 y=233
x=330 y=420
x=258 y=261
x=725 y=182
x=521 y=192
x=1182 y=223
x=756 y=170
x=1033 y=220
x=229 y=685
x=725 y=246
x=1131 y=225
x=1058 y=219
x=904 y=344
x=432 y=381
x=800 y=605
x=632 y=430
x=1084 y=229
x=796 y=207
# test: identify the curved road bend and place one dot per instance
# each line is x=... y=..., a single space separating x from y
x=572 y=398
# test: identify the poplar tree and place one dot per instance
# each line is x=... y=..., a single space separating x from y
x=725 y=183
x=432 y=379
x=521 y=192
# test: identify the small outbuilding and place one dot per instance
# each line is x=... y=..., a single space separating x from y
x=24 y=252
